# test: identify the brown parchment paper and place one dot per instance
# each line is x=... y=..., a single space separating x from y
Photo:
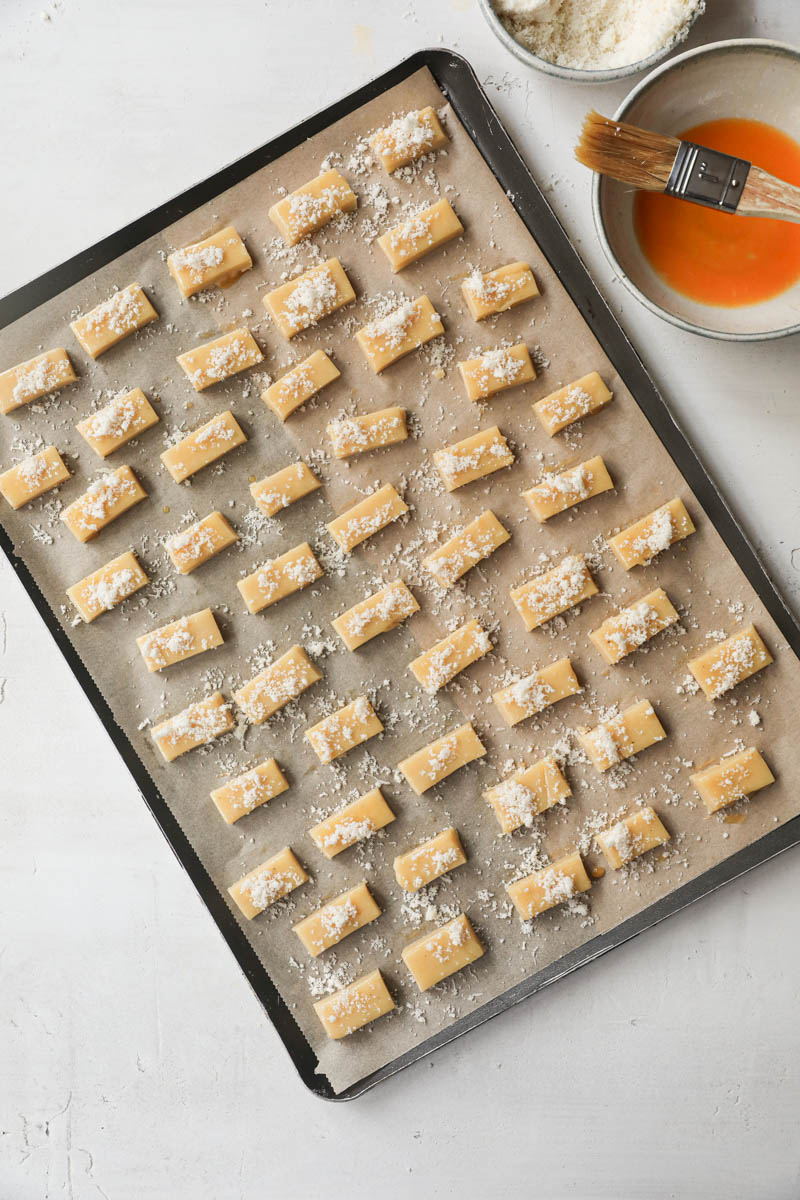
x=699 y=575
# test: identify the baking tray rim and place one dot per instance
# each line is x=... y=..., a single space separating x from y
x=458 y=81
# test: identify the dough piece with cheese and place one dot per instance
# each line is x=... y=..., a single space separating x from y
x=368 y=431
x=549 y=886
x=203 y=446
x=389 y=338
x=111 y=495
x=641 y=542
x=491 y=292
x=189 y=548
x=578 y=399
x=557 y=491
x=536 y=692
x=299 y=384
x=310 y=207
x=631 y=627
x=268 y=883
x=367 y=517
x=309 y=298
x=438 y=955
x=343 y=730
x=220 y=359
x=38 y=377
x=496 y=370
x=435 y=762
x=108 y=586
x=354 y=823
x=730 y=662
x=419 y=234
x=473 y=458
x=34 y=476
x=453 y=654
x=337 y=919
x=378 y=613
x=731 y=779
x=249 y=791
x=116 y=318
x=354 y=1006
x=466 y=549
x=196 y=725
x=623 y=735
x=632 y=836
x=277 y=685
x=114 y=425
x=180 y=640
x=430 y=860
x=526 y=793
x=285 y=487
x=216 y=261
x=408 y=137
x=281 y=577
x=554 y=592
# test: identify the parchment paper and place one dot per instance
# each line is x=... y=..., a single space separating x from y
x=699 y=575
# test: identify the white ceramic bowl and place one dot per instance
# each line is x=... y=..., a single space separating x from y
x=743 y=78
x=573 y=73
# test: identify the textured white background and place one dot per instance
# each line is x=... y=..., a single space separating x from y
x=134 y=1060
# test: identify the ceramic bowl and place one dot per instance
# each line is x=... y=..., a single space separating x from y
x=743 y=78
x=573 y=73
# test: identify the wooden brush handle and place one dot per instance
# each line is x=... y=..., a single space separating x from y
x=764 y=195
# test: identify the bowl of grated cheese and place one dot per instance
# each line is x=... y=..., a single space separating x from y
x=591 y=41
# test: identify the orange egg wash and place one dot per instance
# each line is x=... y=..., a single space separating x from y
x=720 y=258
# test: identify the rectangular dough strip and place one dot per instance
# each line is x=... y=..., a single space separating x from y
x=430 y=860
x=216 y=261
x=378 y=613
x=551 y=885
x=38 y=377
x=337 y=919
x=189 y=548
x=453 y=654
x=558 y=491
x=124 y=313
x=277 y=685
x=108 y=586
x=533 y=694
x=466 y=549
x=246 y=792
x=354 y=1006
x=367 y=517
x=641 y=542
x=343 y=730
x=268 y=883
x=632 y=627
x=287 y=486
x=306 y=300
x=300 y=383
x=107 y=498
x=554 y=591
x=279 y=578
x=732 y=778
x=312 y=206
x=367 y=431
x=730 y=662
x=632 y=836
x=578 y=399
x=623 y=735
x=203 y=446
x=179 y=640
x=354 y=823
x=420 y=234
x=220 y=359
x=438 y=955
x=196 y=725
x=497 y=370
x=526 y=793
x=438 y=760
x=408 y=137
x=114 y=425
x=473 y=458
x=387 y=339
x=492 y=292
x=34 y=476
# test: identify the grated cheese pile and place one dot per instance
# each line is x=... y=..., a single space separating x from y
x=596 y=35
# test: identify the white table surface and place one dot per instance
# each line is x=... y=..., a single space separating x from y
x=134 y=1060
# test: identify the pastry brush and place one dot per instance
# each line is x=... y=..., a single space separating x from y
x=658 y=163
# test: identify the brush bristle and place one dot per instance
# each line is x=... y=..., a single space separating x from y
x=628 y=154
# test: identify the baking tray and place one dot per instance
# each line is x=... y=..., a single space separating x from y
x=458 y=82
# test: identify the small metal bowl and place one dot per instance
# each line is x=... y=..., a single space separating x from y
x=744 y=77
x=573 y=73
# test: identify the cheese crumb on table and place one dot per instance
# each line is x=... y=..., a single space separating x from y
x=408 y=137
x=554 y=592
x=189 y=548
x=351 y=824
x=533 y=694
x=220 y=359
x=216 y=261
x=114 y=425
x=337 y=919
x=116 y=318
x=473 y=458
x=299 y=384
x=249 y=791
x=558 y=491
x=438 y=955
x=623 y=735
x=195 y=726
x=179 y=640
x=279 y=578
x=435 y=762
x=34 y=476
x=34 y=379
x=203 y=446
x=641 y=542
x=107 y=498
x=466 y=549
x=308 y=299
x=526 y=793
x=551 y=885
x=389 y=338
x=268 y=883
x=354 y=1006
x=378 y=613
x=632 y=836
x=730 y=662
x=108 y=586
x=496 y=370
x=732 y=778
x=277 y=685
x=343 y=730
x=367 y=517
x=492 y=292
x=430 y=860
x=312 y=206
x=578 y=399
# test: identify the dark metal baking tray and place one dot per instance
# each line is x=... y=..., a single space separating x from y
x=458 y=82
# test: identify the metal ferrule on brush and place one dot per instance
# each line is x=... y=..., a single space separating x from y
x=707 y=177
